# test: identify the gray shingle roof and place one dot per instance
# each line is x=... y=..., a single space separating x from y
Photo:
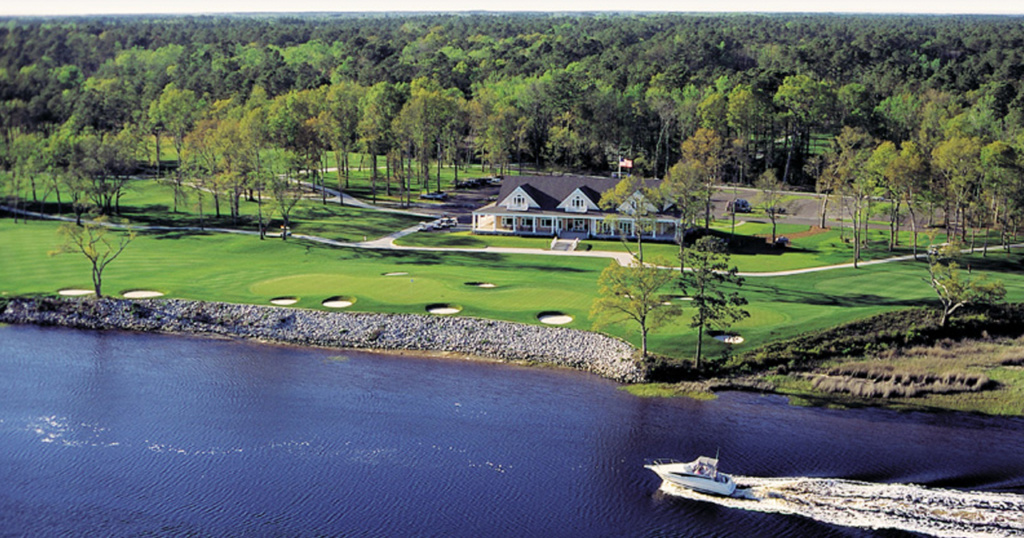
x=549 y=191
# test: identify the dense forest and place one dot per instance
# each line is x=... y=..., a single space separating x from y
x=925 y=109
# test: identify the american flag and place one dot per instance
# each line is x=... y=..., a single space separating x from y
x=626 y=163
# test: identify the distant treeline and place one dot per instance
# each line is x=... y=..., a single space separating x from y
x=563 y=92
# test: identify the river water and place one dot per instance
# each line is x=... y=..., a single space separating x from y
x=120 y=434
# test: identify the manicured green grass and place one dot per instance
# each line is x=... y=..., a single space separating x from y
x=223 y=267
x=751 y=252
x=150 y=202
x=783 y=307
x=470 y=240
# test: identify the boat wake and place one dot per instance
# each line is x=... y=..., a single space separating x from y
x=937 y=512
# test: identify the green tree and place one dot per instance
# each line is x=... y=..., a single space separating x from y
x=958 y=161
x=705 y=152
x=909 y=176
x=27 y=154
x=771 y=198
x=806 y=104
x=900 y=115
x=1001 y=181
x=956 y=289
x=253 y=139
x=882 y=164
x=380 y=106
x=175 y=112
x=203 y=164
x=664 y=102
x=850 y=176
x=342 y=121
x=286 y=193
x=681 y=188
x=748 y=113
x=97 y=242
x=711 y=283
x=634 y=293
x=639 y=202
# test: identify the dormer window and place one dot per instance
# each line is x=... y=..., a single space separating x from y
x=577 y=202
x=577 y=205
x=518 y=203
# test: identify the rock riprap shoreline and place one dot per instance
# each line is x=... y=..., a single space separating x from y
x=505 y=341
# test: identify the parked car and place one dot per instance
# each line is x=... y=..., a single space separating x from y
x=434 y=195
x=738 y=205
x=471 y=183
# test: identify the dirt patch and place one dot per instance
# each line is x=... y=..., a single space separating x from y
x=815 y=230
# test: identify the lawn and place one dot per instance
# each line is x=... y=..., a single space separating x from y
x=150 y=202
x=227 y=267
x=751 y=253
x=243 y=269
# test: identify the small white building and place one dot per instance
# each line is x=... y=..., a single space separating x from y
x=563 y=206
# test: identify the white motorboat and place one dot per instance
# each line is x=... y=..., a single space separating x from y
x=699 y=475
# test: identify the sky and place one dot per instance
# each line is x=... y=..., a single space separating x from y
x=95 y=7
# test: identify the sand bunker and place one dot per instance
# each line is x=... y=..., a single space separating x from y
x=443 y=308
x=75 y=292
x=554 y=318
x=142 y=294
x=729 y=338
x=481 y=284
x=284 y=301
x=398 y=273
x=339 y=302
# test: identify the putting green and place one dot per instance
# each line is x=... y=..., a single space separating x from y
x=763 y=315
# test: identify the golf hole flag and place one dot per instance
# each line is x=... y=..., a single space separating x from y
x=625 y=163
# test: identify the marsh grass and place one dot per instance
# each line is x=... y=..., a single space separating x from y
x=976 y=375
x=670 y=390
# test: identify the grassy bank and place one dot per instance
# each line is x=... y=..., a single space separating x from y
x=902 y=360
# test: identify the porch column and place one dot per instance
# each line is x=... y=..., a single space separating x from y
x=534 y=222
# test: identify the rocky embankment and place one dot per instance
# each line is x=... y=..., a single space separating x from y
x=505 y=341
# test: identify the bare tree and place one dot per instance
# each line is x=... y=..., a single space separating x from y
x=97 y=242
